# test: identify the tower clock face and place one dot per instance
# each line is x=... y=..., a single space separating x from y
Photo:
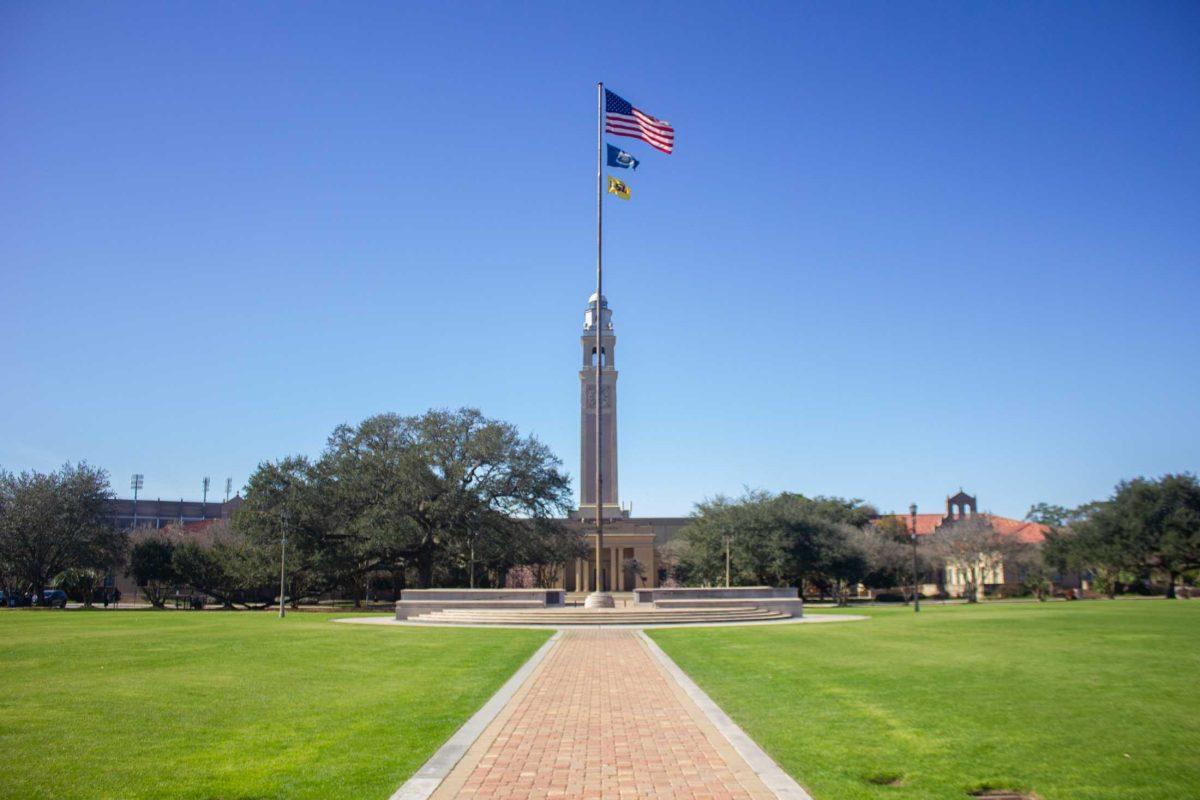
x=605 y=397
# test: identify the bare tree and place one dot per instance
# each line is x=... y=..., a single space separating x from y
x=889 y=554
x=974 y=548
x=633 y=570
x=1035 y=573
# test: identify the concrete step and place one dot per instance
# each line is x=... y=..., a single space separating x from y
x=479 y=604
x=791 y=606
x=592 y=621
x=591 y=615
x=717 y=603
x=587 y=622
x=597 y=617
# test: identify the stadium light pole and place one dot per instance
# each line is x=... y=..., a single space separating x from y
x=204 y=499
x=228 y=488
x=912 y=512
x=136 y=481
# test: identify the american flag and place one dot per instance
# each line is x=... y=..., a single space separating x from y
x=623 y=119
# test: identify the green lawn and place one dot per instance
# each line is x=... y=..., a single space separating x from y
x=206 y=705
x=1072 y=701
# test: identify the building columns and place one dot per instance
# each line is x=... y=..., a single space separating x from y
x=613 y=562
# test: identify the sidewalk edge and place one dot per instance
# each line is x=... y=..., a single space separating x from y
x=771 y=774
x=425 y=781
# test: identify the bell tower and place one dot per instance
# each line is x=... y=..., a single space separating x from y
x=598 y=313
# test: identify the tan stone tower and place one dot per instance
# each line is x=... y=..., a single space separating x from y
x=587 y=413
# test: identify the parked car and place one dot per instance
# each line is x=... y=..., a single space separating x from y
x=51 y=598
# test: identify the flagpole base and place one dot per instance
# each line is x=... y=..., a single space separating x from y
x=599 y=600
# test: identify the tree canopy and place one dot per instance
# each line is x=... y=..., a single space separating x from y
x=421 y=493
x=776 y=540
x=54 y=522
x=1146 y=528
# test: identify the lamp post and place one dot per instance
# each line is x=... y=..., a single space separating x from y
x=725 y=535
x=912 y=512
x=471 y=560
x=285 y=516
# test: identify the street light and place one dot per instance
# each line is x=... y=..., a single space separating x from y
x=471 y=542
x=725 y=535
x=285 y=517
x=912 y=511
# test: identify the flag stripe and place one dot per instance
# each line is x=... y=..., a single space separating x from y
x=620 y=124
x=640 y=120
x=657 y=123
x=650 y=140
x=659 y=147
x=667 y=134
x=638 y=133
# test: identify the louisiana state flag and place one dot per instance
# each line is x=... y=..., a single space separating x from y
x=619 y=188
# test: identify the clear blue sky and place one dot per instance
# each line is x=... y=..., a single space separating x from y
x=899 y=248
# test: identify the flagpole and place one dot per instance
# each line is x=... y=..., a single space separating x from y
x=599 y=322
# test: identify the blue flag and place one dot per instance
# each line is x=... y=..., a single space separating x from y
x=619 y=158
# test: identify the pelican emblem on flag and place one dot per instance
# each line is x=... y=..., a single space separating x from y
x=619 y=158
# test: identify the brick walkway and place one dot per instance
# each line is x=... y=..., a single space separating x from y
x=601 y=719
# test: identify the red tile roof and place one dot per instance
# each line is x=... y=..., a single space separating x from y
x=1027 y=532
x=926 y=523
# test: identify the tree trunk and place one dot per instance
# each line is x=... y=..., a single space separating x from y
x=156 y=598
x=1171 y=577
x=425 y=568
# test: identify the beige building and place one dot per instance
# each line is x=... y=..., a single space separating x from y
x=995 y=574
